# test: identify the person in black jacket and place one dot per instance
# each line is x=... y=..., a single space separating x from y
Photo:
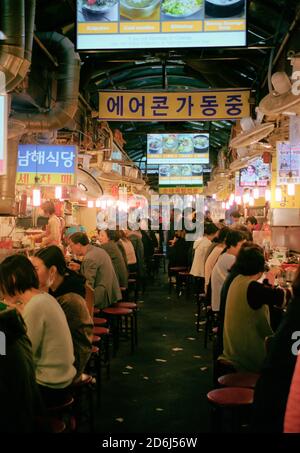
x=20 y=401
x=272 y=388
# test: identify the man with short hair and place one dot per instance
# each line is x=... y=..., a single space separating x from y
x=98 y=270
x=251 y=223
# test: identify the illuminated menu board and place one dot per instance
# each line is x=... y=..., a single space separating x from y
x=183 y=179
x=178 y=148
x=140 y=24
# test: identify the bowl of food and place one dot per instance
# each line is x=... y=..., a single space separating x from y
x=224 y=8
x=164 y=170
x=155 y=144
x=185 y=144
x=197 y=170
x=175 y=170
x=186 y=170
x=138 y=9
x=170 y=143
x=200 y=143
x=98 y=6
x=181 y=8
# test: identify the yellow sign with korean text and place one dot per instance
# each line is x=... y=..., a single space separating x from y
x=175 y=106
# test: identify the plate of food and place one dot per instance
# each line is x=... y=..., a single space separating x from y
x=181 y=8
x=98 y=6
x=201 y=143
x=185 y=144
x=170 y=143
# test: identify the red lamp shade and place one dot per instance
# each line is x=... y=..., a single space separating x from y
x=267 y=158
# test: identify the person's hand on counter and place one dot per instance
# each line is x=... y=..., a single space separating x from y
x=272 y=274
x=74 y=266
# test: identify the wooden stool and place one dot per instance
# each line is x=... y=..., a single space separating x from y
x=233 y=399
x=245 y=380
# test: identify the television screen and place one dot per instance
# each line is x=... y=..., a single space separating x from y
x=181 y=175
x=140 y=24
x=256 y=174
x=178 y=148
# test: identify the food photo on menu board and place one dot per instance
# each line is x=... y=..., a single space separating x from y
x=225 y=8
x=178 y=148
x=98 y=10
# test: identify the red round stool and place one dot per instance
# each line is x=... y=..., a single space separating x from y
x=245 y=380
x=132 y=306
x=99 y=321
x=234 y=399
x=121 y=320
x=82 y=389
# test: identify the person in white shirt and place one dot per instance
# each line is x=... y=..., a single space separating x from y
x=233 y=242
x=47 y=328
x=200 y=251
x=214 y=254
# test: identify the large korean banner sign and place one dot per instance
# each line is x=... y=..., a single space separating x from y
x=177 y=106
x=3 y=132
x=51 y=164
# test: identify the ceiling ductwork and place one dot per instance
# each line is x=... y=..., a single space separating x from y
x=17 y=23
x=68 y=74
x=7 y=182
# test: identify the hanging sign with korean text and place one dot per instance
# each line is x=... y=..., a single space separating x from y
x=176 y=106
x=47 y=165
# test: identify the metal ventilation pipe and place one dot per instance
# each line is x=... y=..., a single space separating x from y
x=17 y=23
x=29 y=29
x=7 y=182
x=12 y=23
x=68 y=74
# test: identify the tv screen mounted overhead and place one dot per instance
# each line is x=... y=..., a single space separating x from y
x=178 y=148
x=256 y=174
x=146 y=24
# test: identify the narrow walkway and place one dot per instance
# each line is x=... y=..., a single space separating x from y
x=162 y=387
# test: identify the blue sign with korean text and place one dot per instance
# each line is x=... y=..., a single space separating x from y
x=51 y=164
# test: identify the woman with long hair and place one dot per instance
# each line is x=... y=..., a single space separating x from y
x=68 y=288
